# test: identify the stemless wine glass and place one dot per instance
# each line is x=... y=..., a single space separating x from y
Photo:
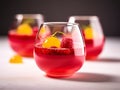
x=93 y=34
x=22 y=33
x=59 y=49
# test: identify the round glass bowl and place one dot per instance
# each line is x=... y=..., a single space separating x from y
x=92 y=33
x=22 y=33
x=59 y=49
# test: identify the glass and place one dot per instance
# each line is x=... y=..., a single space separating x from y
x=59 y=49
x=93 y=34
x=22 y=33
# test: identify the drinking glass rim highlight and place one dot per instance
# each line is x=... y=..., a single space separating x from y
x=37 y=16
x=60 y=23
x=84 y=17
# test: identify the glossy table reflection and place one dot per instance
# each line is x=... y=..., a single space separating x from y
x=101 y=74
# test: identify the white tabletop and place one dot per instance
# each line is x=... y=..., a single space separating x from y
x=101 y=74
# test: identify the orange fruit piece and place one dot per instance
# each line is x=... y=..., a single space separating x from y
x=51 y=42
x=24 y=29
x=88 y=33
x=42 y=31
x=16 y=59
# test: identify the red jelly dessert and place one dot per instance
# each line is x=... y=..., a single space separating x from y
x=22 y=40
x=58 y=58
x=94 y=44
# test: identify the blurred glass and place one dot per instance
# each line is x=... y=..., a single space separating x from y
x=93 y=34
x=23 y=31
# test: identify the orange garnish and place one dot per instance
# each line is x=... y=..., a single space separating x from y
x=42 y=30
x=16 y=59
x=24 y=29
x=51 y=42
x=88 y=33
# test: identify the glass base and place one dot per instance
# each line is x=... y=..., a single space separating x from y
x=91 y=58
x=59 y=75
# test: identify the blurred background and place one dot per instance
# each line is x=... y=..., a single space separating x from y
x=108 y=12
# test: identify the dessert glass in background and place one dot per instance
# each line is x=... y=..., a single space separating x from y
x=22 y=33
x=59 y=49
x=92 y=33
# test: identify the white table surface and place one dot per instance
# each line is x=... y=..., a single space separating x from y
x=103 y=74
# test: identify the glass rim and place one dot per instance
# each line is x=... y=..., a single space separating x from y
x=60 y=23
x=37 y=16
x=87 y=17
